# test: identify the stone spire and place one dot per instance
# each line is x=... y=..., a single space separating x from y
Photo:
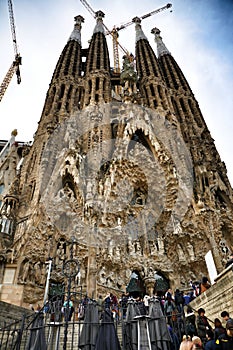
x=99 y=28
x=76 y=33
x=151 y=82
x=161 y=48
x=97 y=73
x=139 y=32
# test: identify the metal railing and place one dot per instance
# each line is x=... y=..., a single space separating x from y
x=84 y=322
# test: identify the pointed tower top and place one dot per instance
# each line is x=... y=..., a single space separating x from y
x=99 y=28
x=76 y=34
x=139 y=32
x=161 y=48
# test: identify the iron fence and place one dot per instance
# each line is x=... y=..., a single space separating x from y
x=83 y=324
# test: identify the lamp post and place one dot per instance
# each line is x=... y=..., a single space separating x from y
x=70 y=270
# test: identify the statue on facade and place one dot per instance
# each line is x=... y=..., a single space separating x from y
x=25 y=271
x=128 y=76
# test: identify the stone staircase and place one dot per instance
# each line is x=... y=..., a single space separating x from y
x=217 y=298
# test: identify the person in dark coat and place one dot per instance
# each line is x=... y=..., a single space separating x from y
x=179 y=300
x=218 y=328
x=202 y=325
x=225 y=341
x=190 y=323
x=210 y=344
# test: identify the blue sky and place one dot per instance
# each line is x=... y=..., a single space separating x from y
x=198 y=33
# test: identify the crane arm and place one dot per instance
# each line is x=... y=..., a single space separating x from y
x=125 y=25
x=88 y=7
x=12 y=24
x=14 y=68
x=92 y=12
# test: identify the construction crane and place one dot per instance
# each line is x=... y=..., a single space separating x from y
x=14 y=68
x=115 y=30
x=115 y=34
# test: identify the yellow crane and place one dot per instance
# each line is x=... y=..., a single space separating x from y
x=14 y=68
x=115 y=30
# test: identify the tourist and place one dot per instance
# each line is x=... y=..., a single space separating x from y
x=107 y=301
x=175 y=343
x=146 y=303
x=169 y=308
x=197 y=343
x=114 y=306
x=68 y=310
x=187 y=298
x=230 y=261
x=190 y=323
x=186 y=343
x=225 y=315
x=179 y=300
x=205 y=284
x=218 y=328
x=210 y=344
x=100 y=305
x=225 y=341
x=196 y=288
x=123 y=304
x=202 y=325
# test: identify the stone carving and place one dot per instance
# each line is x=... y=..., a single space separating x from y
x=190 y=251
x=25 y=269
x=37 y=272
x=180 y=253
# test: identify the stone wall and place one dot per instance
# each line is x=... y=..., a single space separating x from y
x=12 y=294
x=10 y=313
x=219 y=297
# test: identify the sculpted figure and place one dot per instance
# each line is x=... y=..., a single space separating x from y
x=26 y=268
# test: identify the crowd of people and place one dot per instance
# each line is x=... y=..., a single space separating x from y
x=187 y=333
x=189 y=329
x=217 y=338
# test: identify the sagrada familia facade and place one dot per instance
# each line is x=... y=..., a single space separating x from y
x=122 y=181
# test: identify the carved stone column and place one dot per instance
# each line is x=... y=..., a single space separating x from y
x=91 y=273
x=149 y=281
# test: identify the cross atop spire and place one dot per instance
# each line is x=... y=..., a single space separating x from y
x=76 y=34
x=99 y=15
x=139 y=32
x=161 y=48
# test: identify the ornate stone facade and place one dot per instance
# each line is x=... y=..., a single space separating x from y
x=130 y=175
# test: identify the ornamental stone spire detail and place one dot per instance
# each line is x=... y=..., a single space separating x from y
x=76 y=33
x=99 y=28
x=161 y=48
x=139 y=32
